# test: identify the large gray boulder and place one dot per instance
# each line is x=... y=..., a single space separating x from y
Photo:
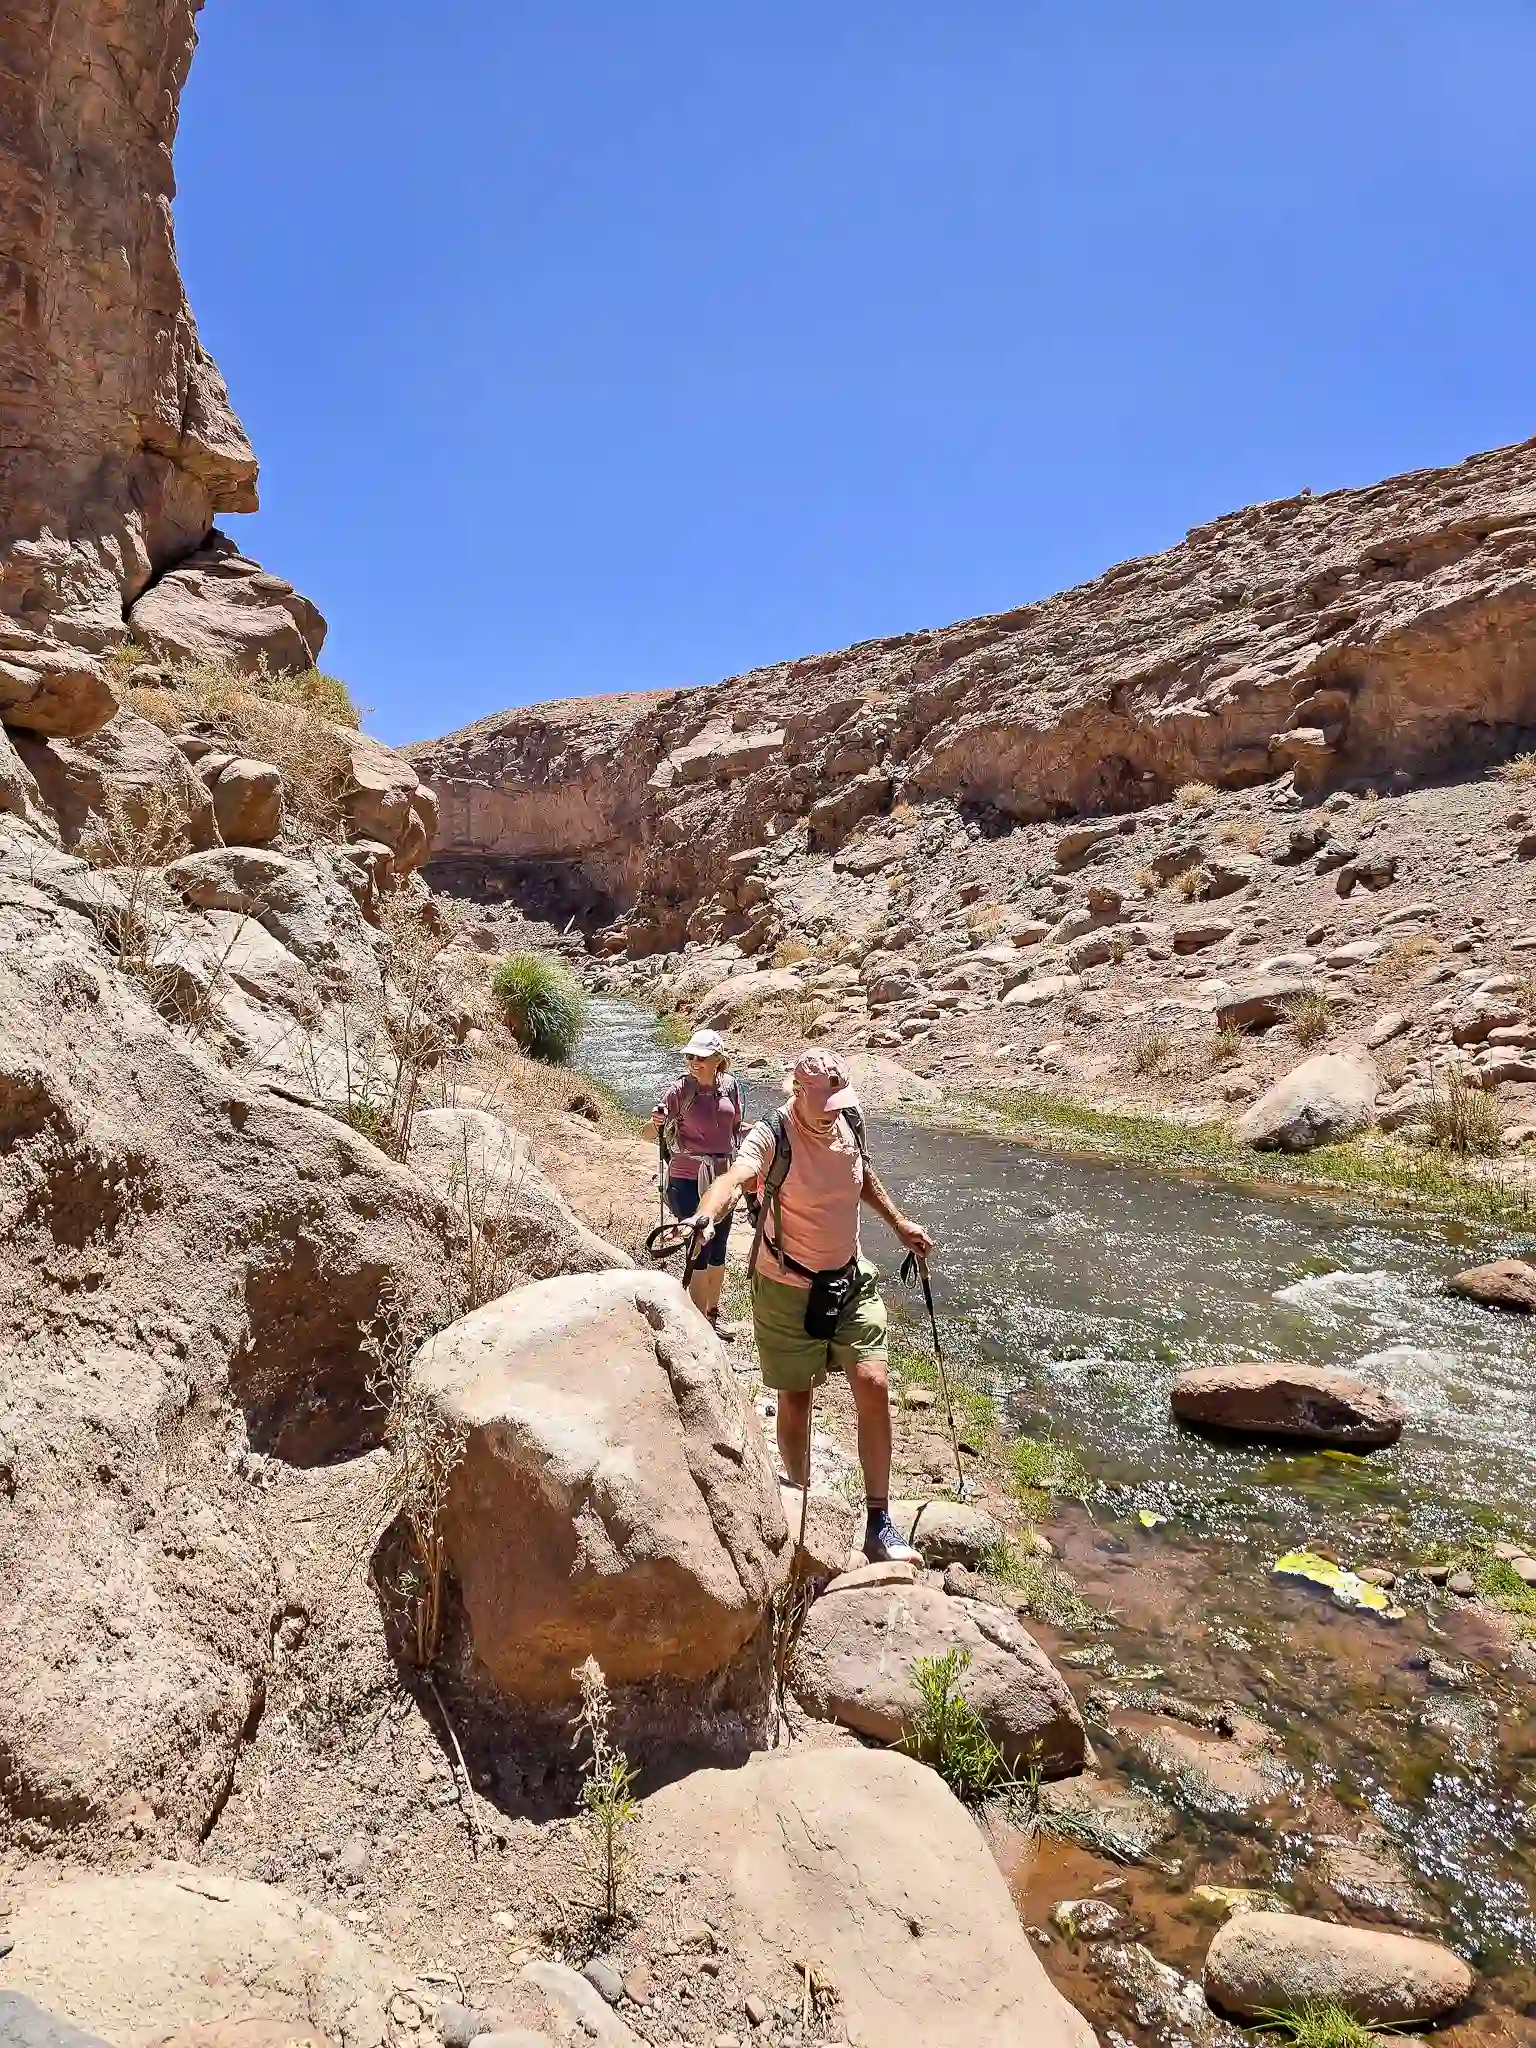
x=860 y=1643
x=1273 y=1397
x=616 y=1500
x=1261 y=1963
x=1329 y=1097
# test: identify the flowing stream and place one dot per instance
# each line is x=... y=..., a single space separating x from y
x=1076 y=1290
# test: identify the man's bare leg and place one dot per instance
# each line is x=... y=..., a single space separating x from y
x=794 y=1433
x=872 y=1410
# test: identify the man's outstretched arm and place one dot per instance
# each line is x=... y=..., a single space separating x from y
x=911 y=1234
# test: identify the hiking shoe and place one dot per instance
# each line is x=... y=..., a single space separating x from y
x=883 y=1543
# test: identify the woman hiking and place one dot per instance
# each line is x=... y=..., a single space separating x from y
x=816 y=1305
x=700 y=1118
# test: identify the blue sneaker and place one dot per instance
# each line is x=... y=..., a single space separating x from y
x=883 y=1543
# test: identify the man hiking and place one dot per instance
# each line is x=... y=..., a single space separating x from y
x=815 y=1298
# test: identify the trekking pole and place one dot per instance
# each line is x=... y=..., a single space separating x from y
x=805 y=1491
x=915 y=1265
x=661 y=1175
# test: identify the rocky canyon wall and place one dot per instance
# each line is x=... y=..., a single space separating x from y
x=1351 y=635
x=118 y=443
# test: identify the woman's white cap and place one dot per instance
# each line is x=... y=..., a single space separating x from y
x=704 y=1045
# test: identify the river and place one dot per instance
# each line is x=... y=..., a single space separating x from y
x=1076 y=1290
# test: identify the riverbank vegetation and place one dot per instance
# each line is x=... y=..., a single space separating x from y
x=1433 y=1178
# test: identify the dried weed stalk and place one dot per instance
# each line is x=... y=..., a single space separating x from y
x=609 y=1808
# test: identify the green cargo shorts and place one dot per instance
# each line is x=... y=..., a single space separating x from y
x=793 y=1363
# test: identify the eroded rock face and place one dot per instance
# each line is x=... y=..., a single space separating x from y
x=1346 y=635
x=189 y=1262
x=119 y=442
x=869 y=1860
x=220 y=606
x=616 y=1500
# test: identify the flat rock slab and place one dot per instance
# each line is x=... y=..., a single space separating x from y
x=1277 y=1398
x=1220 y=1777
x=24 y=2024
x=857 y=1653
x=1506 y=1283
x=863 y=1576
x=1267 y=1962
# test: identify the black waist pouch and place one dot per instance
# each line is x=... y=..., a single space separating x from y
x=830 y=1293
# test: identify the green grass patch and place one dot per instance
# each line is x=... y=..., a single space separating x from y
x=1039 y=1586
x=948 y=1734
x=542 y=1005
x=1039 y=1466
x=1374 y=1165
x=913 y=1364
x=1320 y=2024
x=672 y=1028
x=1501 y=1585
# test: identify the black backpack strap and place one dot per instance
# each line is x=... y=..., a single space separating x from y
x=776 y=1123
x=853 y=1117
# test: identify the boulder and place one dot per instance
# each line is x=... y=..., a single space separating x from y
x=1261 y=1963
x=616 y=1500
x=1506 y=1283
x=20 y=797
x=54 y=692
x=1329 y=1097
x=1226 y=873
x=855 y=1666
x=1034 y=995
x=1264 y=1000
x=1123 y=1822
x=865 y=1861
x=248 y=802
x=24 y=2024
x=304 y=908
x=383 y=798
x=948 y=1531
x=832 y=1530
x=834 y=817
x=741 y=996
x=219 y=606
x=137 y=1958
x=1367 y=871
x=486 y=1172
x=1194 y=934
x=129 y=762
x=1306 y=1402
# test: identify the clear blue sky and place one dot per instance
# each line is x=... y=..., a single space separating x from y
x=616 y=344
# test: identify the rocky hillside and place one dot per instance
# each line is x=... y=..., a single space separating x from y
x=1329 y=640
x=1149 y=843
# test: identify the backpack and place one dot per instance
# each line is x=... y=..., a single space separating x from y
x=690 y=1095
x=777 y=1172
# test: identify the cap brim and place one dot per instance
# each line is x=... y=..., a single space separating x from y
x=694 y=1051
x=842 y=1098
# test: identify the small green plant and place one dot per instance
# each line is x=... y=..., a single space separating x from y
x=609 y=1809
x=1500 y=1583
x=1152 y=1052
x=1226 y=1047
x=1321 y=2024
x=947 y=1733
x=541 y=1004
x=1462 y=1118
x=1042 y=1465
x=1311 y=1019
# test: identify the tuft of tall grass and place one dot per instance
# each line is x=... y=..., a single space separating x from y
x=1311 y=1019
x=541 y=1004
x=1464 y=1119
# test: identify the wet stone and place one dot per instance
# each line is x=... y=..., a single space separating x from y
x=1370 y=1877
x=1117 y=1820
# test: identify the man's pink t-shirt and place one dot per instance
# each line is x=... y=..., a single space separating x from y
x=819 y=1199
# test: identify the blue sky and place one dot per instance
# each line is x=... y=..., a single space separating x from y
x=607 y=345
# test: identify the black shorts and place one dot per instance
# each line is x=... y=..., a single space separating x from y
x=683 y=1200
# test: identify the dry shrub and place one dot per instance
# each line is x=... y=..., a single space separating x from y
x=290 y=721
x=1195 y=796
x=1401 y=959
x=425 y=1449
x=133 y=843
x=1152 y=1052
x=1249 y=835
x=1148 y=881
x=1311 y=1019
x=988 y=921
x=790 y=952
x=1521 y=769
x=1226 y=1047
x=1188 y=883
x=1462 y=1118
